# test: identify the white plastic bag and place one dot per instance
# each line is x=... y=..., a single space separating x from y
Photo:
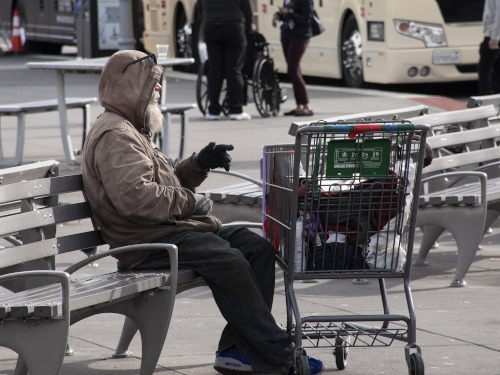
x=384 y=249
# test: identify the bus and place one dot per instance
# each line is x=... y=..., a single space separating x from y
x=366 y=41
x=47 y=25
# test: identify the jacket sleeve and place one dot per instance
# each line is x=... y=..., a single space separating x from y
x=248 y=12
x=190 y=175
x=303 y=13
x=127 y=175
x=495 y=32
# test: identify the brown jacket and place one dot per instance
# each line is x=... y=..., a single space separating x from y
x=135 y=195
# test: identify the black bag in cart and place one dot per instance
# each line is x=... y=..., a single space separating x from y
x=317 y=25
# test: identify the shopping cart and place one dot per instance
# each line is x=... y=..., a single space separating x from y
x=341 y=203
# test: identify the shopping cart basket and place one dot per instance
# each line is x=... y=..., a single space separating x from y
x=341 y=203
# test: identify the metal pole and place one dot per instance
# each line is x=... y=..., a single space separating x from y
x=126 y=40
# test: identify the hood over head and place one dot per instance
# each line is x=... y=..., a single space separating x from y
x=128 y=92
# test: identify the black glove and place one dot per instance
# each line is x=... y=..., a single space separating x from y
x=203 y=205
x=212 y=156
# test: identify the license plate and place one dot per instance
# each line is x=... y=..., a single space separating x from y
x=441 y=57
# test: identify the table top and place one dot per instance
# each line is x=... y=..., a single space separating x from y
x=94 y=65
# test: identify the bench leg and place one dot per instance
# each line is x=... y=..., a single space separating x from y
x=165 y=137
x=492 y=214
x=430 y=235
x=184 y=125
x=128 y=332
x=18 y=156
x=151 y=314
x=1 y=147
x=466 y=228
x=40 y=344
x=86 y=123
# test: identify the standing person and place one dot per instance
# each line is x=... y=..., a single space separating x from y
x=226 y=26
x=489 y=64
x=137 y=196
x=296 y=18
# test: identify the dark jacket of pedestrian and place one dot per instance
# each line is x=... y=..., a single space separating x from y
x=297 y=22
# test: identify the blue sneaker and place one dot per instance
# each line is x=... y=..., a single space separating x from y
x=316 y=366
x=232 y=362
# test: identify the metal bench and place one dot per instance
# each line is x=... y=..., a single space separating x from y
x=35 y=322
x=478 y=101
x=390 y=114
x=22 y=109
x=457 y=195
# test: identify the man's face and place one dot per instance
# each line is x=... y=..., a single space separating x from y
x=154 y=117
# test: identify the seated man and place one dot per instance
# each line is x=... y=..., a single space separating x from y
x=137 y=196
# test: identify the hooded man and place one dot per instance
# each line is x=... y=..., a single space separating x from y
x=137 y=196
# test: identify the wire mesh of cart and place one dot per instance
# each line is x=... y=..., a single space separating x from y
x=339 y=204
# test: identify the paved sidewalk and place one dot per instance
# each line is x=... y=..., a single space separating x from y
x=456 y=327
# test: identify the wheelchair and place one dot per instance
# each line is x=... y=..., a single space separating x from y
x=259 y=76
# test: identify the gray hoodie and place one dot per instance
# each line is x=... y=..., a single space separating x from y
x=136 y=196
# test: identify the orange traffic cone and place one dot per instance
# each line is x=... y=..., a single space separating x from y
x=16 y=36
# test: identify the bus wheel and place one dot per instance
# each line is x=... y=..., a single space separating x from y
x=352 y=62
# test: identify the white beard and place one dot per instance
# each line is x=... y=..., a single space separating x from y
x=154 y=118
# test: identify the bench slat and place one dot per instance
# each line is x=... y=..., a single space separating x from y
x=43 y=217
x=53 y=246
x=86 y=292
x=459 y=160
x=44 y=105
x=40 y=188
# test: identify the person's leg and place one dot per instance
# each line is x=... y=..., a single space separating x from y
x=487 y=59
x=234 y=58
x=215 y=76
x=242 y=283
x=260 y=255
x=296 y=50
x=293 y=51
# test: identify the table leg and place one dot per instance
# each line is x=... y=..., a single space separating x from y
x=163 y=93
x=63 y=119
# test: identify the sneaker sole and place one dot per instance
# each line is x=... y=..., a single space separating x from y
x=231 y=371
x=228 y=366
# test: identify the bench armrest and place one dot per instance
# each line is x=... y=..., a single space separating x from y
x=170 y=248
x=485 y=167
x=240 y=175
x=481 y=176
x=247 y=224
x=59 y=276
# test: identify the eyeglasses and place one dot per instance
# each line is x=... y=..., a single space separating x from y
x=151 y=55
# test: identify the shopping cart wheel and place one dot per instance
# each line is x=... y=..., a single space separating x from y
x=301 y=364
x=341 y=351
x=416 y=364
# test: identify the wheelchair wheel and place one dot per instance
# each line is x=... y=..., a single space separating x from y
x=266 y=90
x=202 y=91
x=202 y=88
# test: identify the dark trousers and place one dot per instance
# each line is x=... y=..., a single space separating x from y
x=238 y=266
x=226 y=47
x=294 y=50
x=488 y=69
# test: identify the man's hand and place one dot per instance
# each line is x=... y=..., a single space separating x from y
x=212 y=156
x=203 y=205
x=493 y=44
